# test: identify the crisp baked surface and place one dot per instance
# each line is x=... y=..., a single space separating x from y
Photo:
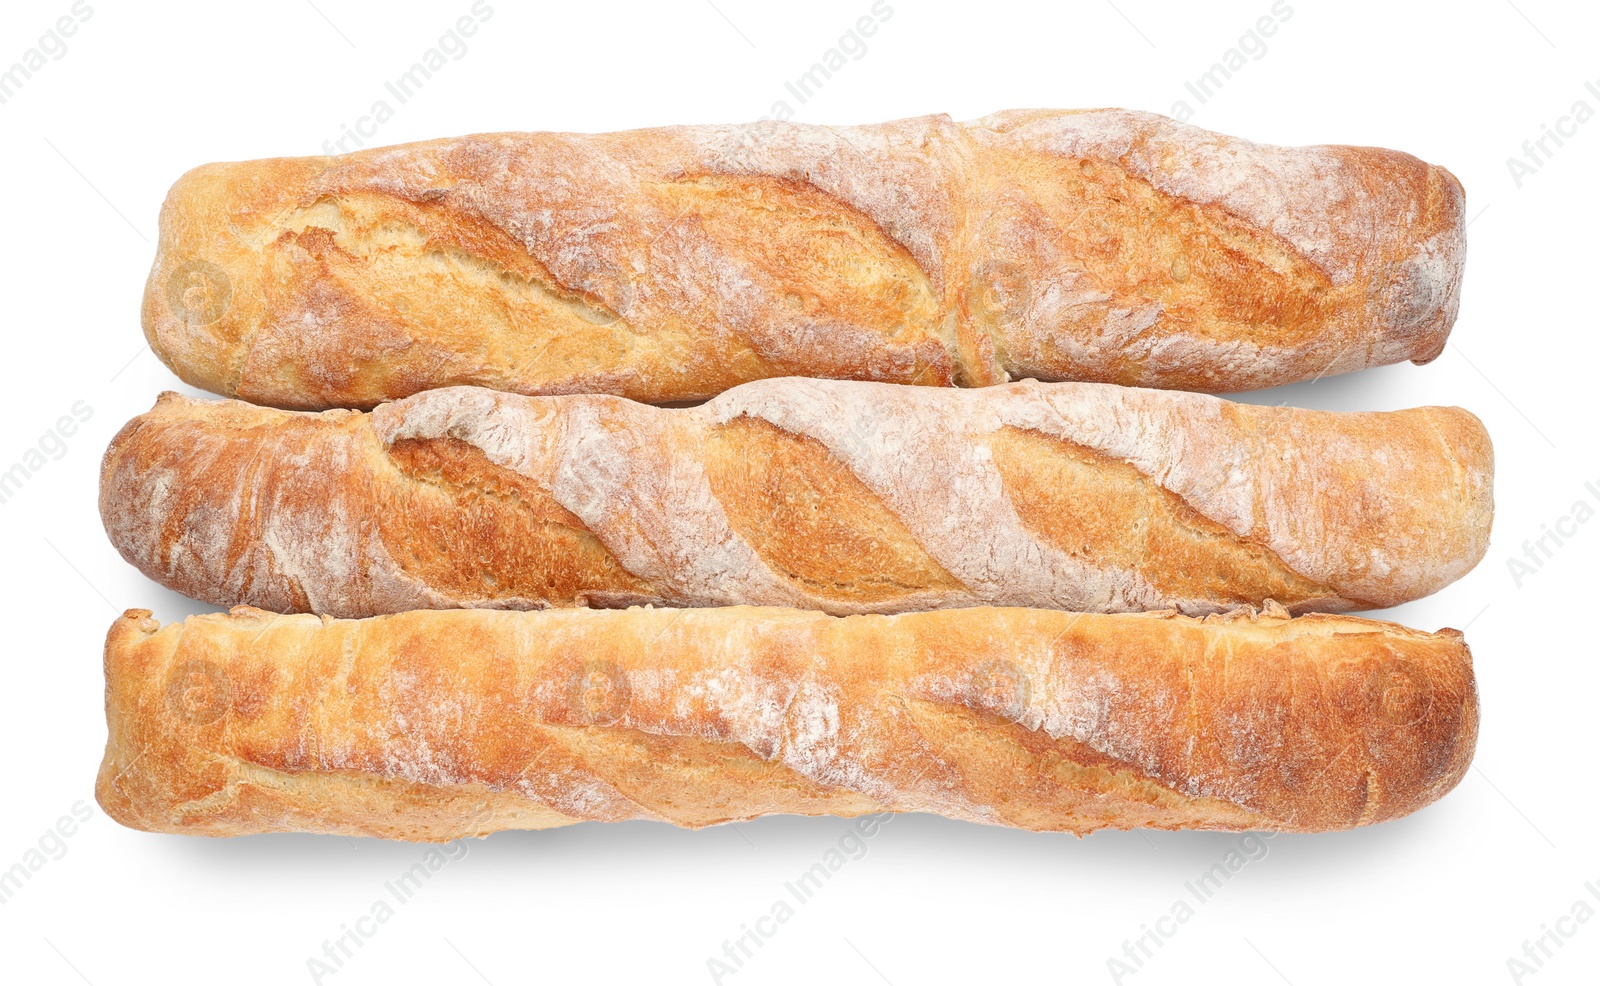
x=437 y=725
x=672 y=264
x=839 y=496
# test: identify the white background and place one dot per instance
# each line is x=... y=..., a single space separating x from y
x=92 y=141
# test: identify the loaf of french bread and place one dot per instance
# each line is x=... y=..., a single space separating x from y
x=839 y=496
x=672 y=264
x=444 y=724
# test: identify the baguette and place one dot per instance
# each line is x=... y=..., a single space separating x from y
x=440 y=725
x=838 y=496
x=671 y=264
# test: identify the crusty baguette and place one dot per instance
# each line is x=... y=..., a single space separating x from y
x=672 y=264
x=438 y=725
x=839 y=496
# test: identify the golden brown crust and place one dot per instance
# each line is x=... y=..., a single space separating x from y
x=672 y=264
x=839 y=496
x=435 y=725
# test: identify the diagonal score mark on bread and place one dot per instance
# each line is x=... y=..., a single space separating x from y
x=437 y=725
x=845 y=497
x=671 y=264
